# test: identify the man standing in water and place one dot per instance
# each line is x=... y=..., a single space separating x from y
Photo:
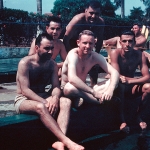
x=34 y=73
x=126 y=60
x=78 y=63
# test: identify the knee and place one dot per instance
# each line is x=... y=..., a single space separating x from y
x=69 y=89
x=40 y=108
x=146 y=88
x=65 y=103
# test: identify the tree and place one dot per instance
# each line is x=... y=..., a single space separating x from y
x=108 y=9
x=39 y=7
x=67 y=9
x=136 y=14
x=1 y=4
x=120 y=3
x=146 y=3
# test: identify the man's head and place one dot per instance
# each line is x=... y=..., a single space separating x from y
x=86 y=41
x=92 y=11
x=127 y=40
x=54 y=26
x=137 y=27
x=44 y=46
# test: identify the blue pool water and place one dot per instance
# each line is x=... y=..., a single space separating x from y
x=11 y=64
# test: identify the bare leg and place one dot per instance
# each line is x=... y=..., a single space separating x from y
x=64 y=114
x=71 y=91
x=33 y=106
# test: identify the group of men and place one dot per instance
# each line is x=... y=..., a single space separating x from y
x=39 y=69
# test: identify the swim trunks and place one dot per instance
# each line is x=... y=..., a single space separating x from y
x=18 y=100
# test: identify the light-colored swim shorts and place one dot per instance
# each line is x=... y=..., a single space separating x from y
x=18 y=100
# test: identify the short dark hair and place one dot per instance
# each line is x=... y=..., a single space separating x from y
x=93 y=4
x=138 y=24
x=86 y=32
x=54 y=19
x=128 y=33
x=41 y=36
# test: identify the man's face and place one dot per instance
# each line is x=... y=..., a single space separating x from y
x=136 y=29
x=127 y=42
x=45 y=51
x=92 y=14
x=86 y=44
x=54 y=29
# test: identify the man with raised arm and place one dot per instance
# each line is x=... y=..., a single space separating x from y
x=34 y=73
x=126 y=60
x=78 y=63
x=139 y=38
x=54 y=28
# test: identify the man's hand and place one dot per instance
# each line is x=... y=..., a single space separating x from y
x=52 y=104
x=124 y=79
x=103 y=95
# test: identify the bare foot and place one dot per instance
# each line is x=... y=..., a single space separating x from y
x=124 y=128
x=78 y=102
x=58 y=145
x=143 y=125
x=74 y=146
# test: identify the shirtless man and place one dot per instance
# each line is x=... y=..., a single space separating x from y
x=76 y=67
x=34 y=73
x=126 y=60
x=53 y=28
x=139 y=38
x=89 y=20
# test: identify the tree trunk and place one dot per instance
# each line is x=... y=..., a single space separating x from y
x=1 y=4
x=39 y=7
x=122 y=9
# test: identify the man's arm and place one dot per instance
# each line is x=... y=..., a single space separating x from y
x=72 y=59
x=140 y=42
x=23 y=79
x=114 y=77
x=114 y=59
x=63 y=54
x=53 y=101
x=56 y=92
x=70 y=30
x=145 y=73
x=32 y=48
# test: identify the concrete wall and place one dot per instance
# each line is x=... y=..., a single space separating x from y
x=13 y=52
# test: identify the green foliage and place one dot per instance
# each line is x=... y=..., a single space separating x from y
x=136 y=14
x=13 y=15
x=67 y=9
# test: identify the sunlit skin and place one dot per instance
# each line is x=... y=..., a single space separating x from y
x=92 y=15
x=127 y=42
x=45 y=51
x=54 y=29
x=86 y=44
x=136 y=29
